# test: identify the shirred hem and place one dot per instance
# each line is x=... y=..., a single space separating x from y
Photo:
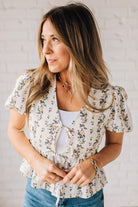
x=51 y=187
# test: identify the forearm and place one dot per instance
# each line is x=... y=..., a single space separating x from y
x=107 y=154
x=23 y=146
x=44 y=168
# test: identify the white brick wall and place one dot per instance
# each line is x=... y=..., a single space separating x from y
x=118 y=23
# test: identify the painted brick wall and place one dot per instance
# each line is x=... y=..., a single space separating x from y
x=118 y=23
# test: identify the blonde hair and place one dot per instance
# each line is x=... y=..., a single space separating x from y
x=76 y=25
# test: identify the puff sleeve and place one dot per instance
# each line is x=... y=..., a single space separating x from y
x=19 y=95
x=119 y=117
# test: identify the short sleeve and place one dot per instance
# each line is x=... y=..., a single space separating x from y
x=19 y=95
x=119 y=117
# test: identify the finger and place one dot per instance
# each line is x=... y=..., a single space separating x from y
x=58 y=178
x=85 y=183
x=55 y=177
x=67 y=171
x=46 y=181
x=68 y=177
x=58 y=171
x=80 y=181
x=75 y=179
x=51 y=181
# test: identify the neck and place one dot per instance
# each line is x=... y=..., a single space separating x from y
x=65 y=84
x=64 y=77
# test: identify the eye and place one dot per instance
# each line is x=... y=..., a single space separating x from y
x=43 y=40
x=55 y=39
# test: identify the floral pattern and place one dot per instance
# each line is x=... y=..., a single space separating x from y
x=84 y=133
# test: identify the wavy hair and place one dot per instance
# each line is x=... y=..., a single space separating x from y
x=77 y=28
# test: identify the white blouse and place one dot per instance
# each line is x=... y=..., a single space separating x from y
x=84 y=132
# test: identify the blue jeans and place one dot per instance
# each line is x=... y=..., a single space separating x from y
x=43 y=198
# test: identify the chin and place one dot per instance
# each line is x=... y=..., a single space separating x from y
x=54 y=70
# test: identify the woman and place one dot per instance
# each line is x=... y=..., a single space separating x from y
x=68 y=105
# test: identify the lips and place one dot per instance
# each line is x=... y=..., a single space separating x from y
x=51 y=61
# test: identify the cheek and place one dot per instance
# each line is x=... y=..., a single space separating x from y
x=65 y=55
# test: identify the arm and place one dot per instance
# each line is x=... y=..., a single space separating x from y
x=45 y=169
x=84 y=172
x=112 y=149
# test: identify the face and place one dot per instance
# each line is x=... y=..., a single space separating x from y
x=54 y=49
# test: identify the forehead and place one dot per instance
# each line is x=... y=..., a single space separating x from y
x=48 y=28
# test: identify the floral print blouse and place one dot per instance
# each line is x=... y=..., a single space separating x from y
x=85 y=133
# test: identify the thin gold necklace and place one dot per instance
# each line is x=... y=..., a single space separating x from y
x=65 y=84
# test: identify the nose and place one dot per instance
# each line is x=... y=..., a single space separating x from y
x=47 y=48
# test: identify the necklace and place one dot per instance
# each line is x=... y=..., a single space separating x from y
x=65 y=84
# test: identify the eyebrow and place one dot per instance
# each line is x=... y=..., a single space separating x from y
x=44 y=35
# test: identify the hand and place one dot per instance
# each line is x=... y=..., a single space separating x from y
x=81 y=174
x=47 y=170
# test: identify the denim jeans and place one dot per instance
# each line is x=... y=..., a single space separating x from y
x=43 y=198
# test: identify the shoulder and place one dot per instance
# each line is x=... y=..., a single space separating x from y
x=104 y=97
x=120 y=95
x=25 y=78
x=119 y=116
x=116 y=91
x=119 y=91
x=26 y=74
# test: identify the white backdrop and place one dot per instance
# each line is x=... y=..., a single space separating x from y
x=118 y=23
